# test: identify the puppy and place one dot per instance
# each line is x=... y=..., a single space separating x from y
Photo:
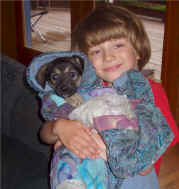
x=63 y=75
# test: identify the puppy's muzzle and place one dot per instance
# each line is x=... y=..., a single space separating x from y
x=65 y=90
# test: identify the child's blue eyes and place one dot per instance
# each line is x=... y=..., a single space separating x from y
x=118 y=45
x=112 y=46
x=95 y=52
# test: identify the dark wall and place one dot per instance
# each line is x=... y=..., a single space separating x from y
x=50 y=4
x=8 y=33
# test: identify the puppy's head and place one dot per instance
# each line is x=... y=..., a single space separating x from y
x=63 y=75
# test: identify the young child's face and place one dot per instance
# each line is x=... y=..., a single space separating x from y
x=112 y=58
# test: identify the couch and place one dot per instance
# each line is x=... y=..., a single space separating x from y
x=25 y=160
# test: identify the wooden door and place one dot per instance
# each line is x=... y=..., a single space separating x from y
x=79 y=9
x=170 y=64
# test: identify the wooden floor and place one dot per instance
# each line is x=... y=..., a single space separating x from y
x=55 y=27
x=169 y=173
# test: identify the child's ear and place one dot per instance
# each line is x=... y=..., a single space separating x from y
x=138 y=57
x=79 y=62
x=41 y=76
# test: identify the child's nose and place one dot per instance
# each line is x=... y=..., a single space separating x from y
x=108 y=56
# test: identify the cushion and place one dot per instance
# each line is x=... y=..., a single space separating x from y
x=20 y=116
x=22 y=167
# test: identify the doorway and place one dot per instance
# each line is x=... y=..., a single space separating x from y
x=47 y=25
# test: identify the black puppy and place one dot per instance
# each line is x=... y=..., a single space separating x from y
x=62 y=74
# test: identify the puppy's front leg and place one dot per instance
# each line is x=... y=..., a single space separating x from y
x=74 y=100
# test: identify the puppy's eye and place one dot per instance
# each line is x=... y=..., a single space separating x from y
x=54 y=76
x=73 y=74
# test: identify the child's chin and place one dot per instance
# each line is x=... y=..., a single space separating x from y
x=110 y=80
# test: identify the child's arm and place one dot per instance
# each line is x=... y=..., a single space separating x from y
x=73 y=134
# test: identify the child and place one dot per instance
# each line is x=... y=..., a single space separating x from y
x=115 y=45
x=116 y=120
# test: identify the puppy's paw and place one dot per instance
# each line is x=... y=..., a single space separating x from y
x=75 y=100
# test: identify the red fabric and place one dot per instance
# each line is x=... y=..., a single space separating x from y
x=161 y=102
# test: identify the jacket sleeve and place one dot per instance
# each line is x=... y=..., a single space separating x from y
x=53 y=109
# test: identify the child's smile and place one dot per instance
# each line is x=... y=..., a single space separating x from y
x=112 y=58
x=112 y=68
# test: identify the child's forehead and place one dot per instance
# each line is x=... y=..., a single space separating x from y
x=111 y=41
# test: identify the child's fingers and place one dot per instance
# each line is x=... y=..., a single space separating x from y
x=102 y=146
x=56 y=145
x=146 y=172
x=98 y=140
x=103 y=156
x=85 y=146
x=77 y=138
x=81 y=152
x=84 y=153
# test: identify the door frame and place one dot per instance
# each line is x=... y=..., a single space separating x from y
x=170 y=60
x=25 y=54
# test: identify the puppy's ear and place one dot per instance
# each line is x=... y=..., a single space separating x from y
x=41 y=76
x=79 y=62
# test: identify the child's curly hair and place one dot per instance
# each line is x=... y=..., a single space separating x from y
x=111 y=22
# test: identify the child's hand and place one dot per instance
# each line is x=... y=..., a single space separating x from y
x=57 y=144
x=146 y=172
x=77 y=138
x=100 y=143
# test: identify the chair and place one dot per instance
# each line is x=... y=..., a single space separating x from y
x=38 y=16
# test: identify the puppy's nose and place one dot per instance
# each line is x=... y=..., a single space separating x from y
x=64 y=88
